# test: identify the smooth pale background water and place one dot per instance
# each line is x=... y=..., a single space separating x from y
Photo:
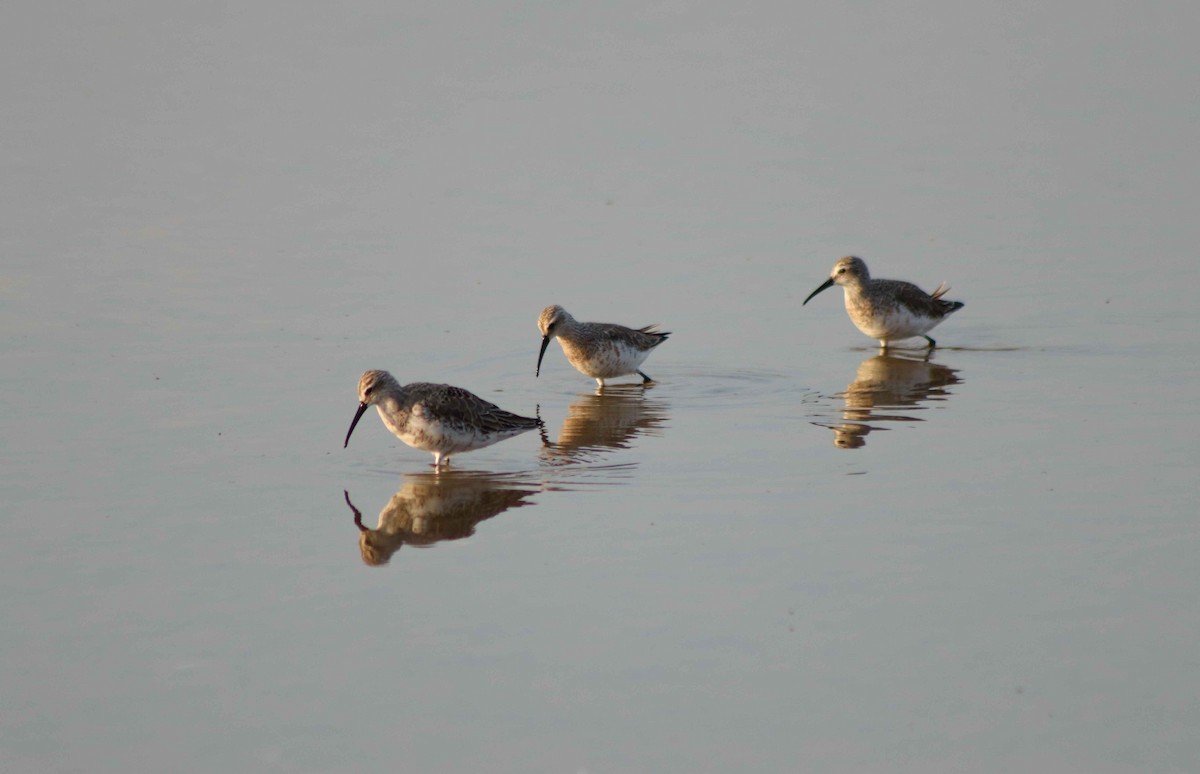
x=216 y=217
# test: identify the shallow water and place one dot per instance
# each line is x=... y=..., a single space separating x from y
x=790 y=552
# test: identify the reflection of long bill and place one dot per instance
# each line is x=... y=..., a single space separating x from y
x=362 y=407
x=541 y=352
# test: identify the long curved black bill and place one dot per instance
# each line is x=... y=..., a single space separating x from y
x=542 y=351
x=357 y=416
x=828 y=284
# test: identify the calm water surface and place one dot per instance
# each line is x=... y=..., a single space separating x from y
x=791 y=552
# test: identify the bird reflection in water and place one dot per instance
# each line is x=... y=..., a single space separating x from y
x=884 y=383
x=605 y=420
x=430 y=508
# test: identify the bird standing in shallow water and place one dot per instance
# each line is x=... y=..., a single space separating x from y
x=888 y=310
x=436 y=418
x=599 y=350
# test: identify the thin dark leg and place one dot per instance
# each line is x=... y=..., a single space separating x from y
x=645 y=379
x=932 y=343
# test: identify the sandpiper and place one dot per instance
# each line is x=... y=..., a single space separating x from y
x=888 y=310
x=599 y=350
x=437 y=418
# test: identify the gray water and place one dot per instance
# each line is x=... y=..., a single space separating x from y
x=788 y=554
